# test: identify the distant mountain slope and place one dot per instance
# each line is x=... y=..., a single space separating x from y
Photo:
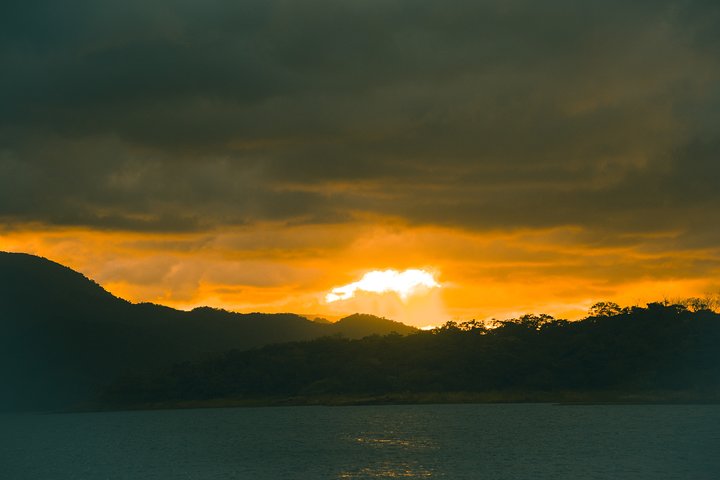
x=62 y=335
x=361 y=325
x=34 y=284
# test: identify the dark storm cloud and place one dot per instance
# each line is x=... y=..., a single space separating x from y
x=184 y=115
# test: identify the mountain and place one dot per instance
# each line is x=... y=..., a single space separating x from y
x=361 y=325
x=62 y=336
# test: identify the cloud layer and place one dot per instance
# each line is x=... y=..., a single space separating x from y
x=184 y=115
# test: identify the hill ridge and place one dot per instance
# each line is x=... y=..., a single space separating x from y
x=63 y=334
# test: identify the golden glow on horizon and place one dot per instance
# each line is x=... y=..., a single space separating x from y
x=280 y=268
x=404 y=283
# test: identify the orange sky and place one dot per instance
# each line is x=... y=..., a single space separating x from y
x=535 y=156
x=276 y=269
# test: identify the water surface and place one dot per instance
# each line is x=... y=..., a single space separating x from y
x=500 y=442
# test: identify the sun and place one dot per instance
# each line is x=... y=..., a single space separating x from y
x=404 y=284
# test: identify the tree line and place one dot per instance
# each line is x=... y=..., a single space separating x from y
x=661 y=347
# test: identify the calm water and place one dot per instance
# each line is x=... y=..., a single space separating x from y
x=426 y=441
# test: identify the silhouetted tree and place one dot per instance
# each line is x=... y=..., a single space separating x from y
x=605 y=309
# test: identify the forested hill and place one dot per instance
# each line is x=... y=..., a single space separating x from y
x=63 y=339
x=62 y=336
x=659 y=352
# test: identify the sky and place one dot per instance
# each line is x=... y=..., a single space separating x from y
x=532 y=156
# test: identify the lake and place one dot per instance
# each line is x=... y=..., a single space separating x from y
x=484 y=442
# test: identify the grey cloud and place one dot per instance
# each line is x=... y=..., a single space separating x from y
x=187 y=115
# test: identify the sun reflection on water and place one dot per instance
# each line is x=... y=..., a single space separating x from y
x=380 y=441
x=390 y=443
x=388 y=470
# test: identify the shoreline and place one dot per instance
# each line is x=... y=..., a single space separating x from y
x=430 y=398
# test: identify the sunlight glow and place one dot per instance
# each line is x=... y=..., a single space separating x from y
x=404 y=283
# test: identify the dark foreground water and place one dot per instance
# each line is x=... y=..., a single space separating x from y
x=421 y=441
